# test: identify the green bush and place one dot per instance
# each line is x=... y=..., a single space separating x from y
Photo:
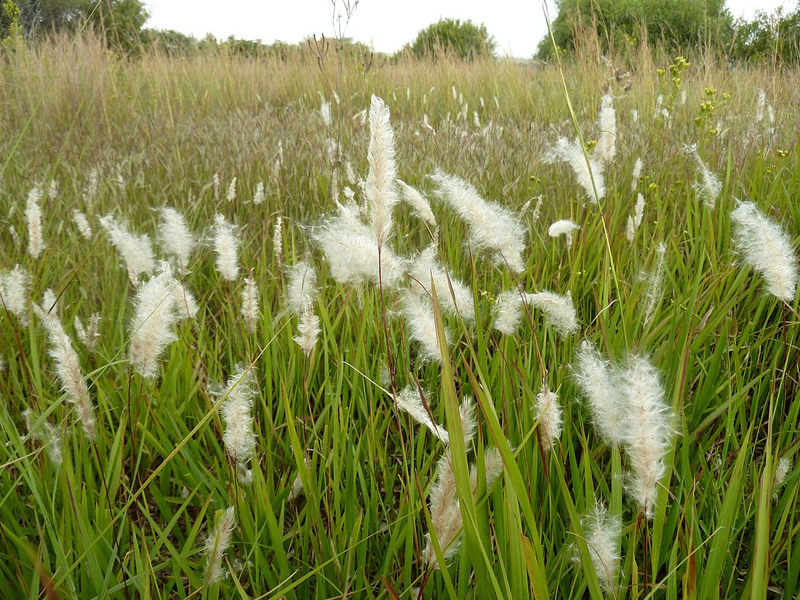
x=451 y=36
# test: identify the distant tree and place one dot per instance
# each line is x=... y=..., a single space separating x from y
x=121 y=21
x=767 y=37
x=40 y=17
x=679 y=23
x=451 y=36
x=169 y=41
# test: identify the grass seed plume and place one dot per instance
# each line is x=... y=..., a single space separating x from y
x=767 y=248
x=492 y=227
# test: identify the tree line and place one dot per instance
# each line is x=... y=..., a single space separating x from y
x=680 y=25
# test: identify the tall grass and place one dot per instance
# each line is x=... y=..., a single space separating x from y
x=134 y=513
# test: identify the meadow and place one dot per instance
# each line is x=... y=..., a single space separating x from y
x=236 y=422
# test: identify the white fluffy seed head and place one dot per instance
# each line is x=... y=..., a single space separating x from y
x=230 y=196
x=136 y=250
x=226 y=248
x=302 y=288
x=351 y=248
x=175 y=237
x=767 y=248
x=217 y=544
x=418 y=203
x=308 y=330
x=492 y=227
x=155 y=314
x=185 y=302
x=459 y=301
x=708 y=186
x=596 y=381
x=250 y=303
x=559 y=311
x=68 y=369
x=409 y=401
x=33 y=216
x=548 y=415
x=648 y=430
x=655 y=283
x=587 y=169
x=14 y=286
x=603 y=533
x=90 y=334
x=380 y=185
x=277 y=240
x=606 y=147
x=637 y=173
x=444 y=506
x=82 y=223
x=563 y=227
x=260 y=195
x=507 y=312
x=421 y=324
x=236 y=412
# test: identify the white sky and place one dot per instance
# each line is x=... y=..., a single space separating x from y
x=386 y=25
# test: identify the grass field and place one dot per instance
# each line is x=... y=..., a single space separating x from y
x=332 y=497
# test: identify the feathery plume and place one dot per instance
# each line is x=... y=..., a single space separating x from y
x=14 y=293
x=216 y=184
x=587 y=169
x=606 y=147
x=90 y=334
x=380 y=186
x=636 y=219
x=236 y=412
x=33 y=216
x=418 y=203
x=507 y=312
x=260 y=195
x=250 y=304
x=175 y=237
x=781 y=471
x=559 y=311
x=185 y=302
x=603 y=533
x=68 y=369
x=155 y=314
x=136 y=250
x=82 y=223
x=563 y=227
x=218 y=542
x=47 y=434
x=230 y=196
x=302 y=288
x=460 y=301
x=537 y=210
x=596 y=380
x=761 y=105
x=636 y=174
x=548 y=414
x=708 y=186
x=492 y=227
x=647 y=432
x=409 y=400
x=444 y=505
x=655 y=287
x=277 y=241
x=767 y=248
x=226 y=247
x=351 y=248
x=307 y=330
x=418 y=311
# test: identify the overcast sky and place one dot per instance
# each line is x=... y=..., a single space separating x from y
x=386 y=25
